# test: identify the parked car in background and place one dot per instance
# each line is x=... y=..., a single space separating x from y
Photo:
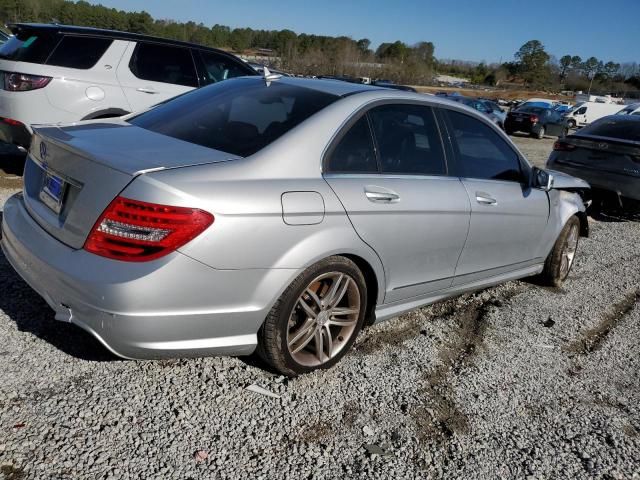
x=586 y=112
x=607 y=155
x=631 y=109
x=536 y=121
x=495 y=109
x=478 y=105
x=57 y=73
x=393 y=86
x=143 y=229
x=538 y=102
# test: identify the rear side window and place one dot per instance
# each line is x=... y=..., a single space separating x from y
x=239 y=116
x=614 y=127
x=79 y=52
x=354 y=153
x=408 y=140
x=163 y=63
x=29 y=46
x=482 y=153
x=218 y=67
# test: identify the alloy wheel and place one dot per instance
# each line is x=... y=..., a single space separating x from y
x=569 y=252
x=323 y=319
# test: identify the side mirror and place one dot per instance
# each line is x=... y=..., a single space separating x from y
x=542 y=179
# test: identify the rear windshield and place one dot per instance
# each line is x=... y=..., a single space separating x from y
x=238 y=116
x=29 y=46
x=536 y=110
x=612 y=127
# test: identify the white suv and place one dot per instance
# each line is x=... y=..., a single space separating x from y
x=57 y=73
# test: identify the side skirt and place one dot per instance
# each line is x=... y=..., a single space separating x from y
x=386 y=311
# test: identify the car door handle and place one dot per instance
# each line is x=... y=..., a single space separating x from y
x=485 y=199
x=146 y=90
x=381 y=195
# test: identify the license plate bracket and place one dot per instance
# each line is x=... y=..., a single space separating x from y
x=52 y=192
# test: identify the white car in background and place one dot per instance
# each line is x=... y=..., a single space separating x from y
x=58 y=73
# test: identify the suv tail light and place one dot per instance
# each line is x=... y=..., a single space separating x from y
x=22 y=82
x=562 y=146
x=135 y=231
x=534 y=119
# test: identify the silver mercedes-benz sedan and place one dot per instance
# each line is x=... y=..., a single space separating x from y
x=279 y=214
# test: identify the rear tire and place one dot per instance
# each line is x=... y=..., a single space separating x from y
x=540 y=133
x=316 y=319
x=560 y=260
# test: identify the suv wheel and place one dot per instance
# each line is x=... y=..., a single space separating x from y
x=317 y=318
x=560 y=260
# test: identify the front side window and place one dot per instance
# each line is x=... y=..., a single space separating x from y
x=581 y=111
x=239 y=116
x=218 y=67
x=354 y=153
x=482 y=153
x=408 y=140
x=164 y=63
x=79 y=52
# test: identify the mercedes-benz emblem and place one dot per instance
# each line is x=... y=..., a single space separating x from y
x=603 y=146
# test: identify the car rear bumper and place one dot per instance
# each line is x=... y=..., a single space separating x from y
x=170 y=307
x=622 y=185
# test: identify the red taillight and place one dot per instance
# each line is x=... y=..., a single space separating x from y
x=135 y=231
x=534 y=119
x=22 y=82
x=12 y=122
x=561 y=146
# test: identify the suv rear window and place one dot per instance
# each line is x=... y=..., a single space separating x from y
x=29 y=46
x=164 y=63
x=239 y=116
x=614 y=127
x=79 y=52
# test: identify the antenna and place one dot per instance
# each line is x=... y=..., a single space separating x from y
x=270 y=77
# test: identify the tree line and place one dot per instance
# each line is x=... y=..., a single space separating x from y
x=308 y=54
x=534 y=67
x=300 y=53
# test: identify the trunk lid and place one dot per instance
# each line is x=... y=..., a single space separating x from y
x=600 y=153
x=73 y=173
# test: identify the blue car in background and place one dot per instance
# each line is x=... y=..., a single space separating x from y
x=480 y=106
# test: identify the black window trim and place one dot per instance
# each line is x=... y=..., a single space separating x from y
x=364 y=110
x=189 y=49
x=526 y=170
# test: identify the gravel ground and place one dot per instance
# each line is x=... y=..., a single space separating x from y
x=517 y=381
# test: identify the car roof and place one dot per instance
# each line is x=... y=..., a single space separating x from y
x=114 y=34
x=345 y=89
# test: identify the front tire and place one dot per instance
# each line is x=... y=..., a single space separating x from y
x=316 y=319
x=560 y=260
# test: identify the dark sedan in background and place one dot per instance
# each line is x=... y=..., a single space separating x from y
x=536 y=121
x=607 y=155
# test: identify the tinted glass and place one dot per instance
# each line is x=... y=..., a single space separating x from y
x=79 y=52
x=482 y=153
x=614 y=127
x=581 y=111
x=408 y=140
x=239 y=116
x=355 y=153
x=29 y=46
x=218 y=67
x=162 y=63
